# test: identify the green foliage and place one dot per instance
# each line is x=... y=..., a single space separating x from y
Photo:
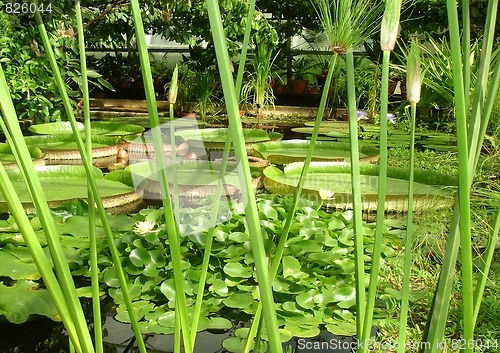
x=310 y=288
x=33 y=88
x=29 y=75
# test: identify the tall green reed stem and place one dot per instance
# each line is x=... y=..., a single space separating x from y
x=222 y=171
x=172 y=97
x=171 y=224
x=464 y=184
x=437 y=318
x=280 y=248
x=98 y=200
x=382 y=191
x=408 y=241
x=94 y=269
x=252 y=215
x=7 y=189
x=436 y=322
x=356 y=196
x=39 y=200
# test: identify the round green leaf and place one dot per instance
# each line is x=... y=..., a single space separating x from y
x=140 y=257
x=305 y=300
x=344 y=292
x=235 y=269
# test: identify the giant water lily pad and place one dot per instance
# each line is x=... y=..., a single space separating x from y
x=432 y=190
x=108 y=128
x=197 y=180
x=7 y=157
x=62 y=149
x=111 y=128
x=55 y=128
x=62 y=183
x=214 y=139
x=283 y=152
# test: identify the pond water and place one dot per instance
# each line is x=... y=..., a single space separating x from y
x=46 y=336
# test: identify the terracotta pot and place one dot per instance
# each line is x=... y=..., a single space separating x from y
x=314 y=90
x=298 y=86
x=279 y=88
x=321 y=78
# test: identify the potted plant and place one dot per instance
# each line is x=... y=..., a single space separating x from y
x=301 y=70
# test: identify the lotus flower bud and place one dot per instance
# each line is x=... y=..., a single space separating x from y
x=413 y=75
x=390 y=25
x=172 y=92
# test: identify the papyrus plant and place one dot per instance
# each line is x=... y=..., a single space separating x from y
x=348 y=23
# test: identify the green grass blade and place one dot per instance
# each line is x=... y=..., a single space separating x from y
x=171 y=224
x=487 y=259
x=252 y=215
x=94 y=269
x=484 y=72
x=356 y=196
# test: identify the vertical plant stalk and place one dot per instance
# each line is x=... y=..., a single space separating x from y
x=98 y=200
x=172 y=97
x=466 y=53
x=222 y=171
x=40 y=202
x=231 y=99
x=463 y=178
x=94 y=269
x=356 y=196
x=280 y=248
x=170 y=221
x=382 y=191
x=483 y=75
x=409 y=239
x=436 y=322
x=244 y=47
x=29 y=236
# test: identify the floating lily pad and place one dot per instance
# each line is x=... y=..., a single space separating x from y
x=7 y=157
x=62 y=183
x=111 y=128
x=56 y=128
x=62 y=149
x=283 y=152
x=214 y=139
x=23 y=300
x=432 y=190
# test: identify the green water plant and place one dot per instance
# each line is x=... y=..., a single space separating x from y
x=471 y=128
x=348 y=23
x=388 y=36
x=414 y=82
x=231 y=99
